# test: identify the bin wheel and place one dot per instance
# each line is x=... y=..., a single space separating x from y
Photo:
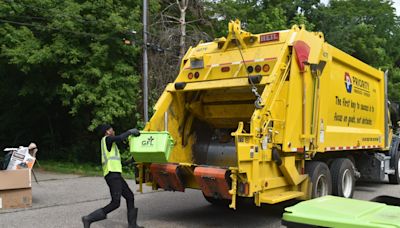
x=320 y=178
x=395 y=163
x=343 y=178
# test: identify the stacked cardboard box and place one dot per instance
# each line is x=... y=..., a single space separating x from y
x=15 y=188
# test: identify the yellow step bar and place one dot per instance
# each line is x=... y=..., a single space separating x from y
x=277 y=198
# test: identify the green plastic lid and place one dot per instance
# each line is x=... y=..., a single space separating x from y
x=332 y=211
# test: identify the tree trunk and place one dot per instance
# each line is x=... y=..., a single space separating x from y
x=183 y=4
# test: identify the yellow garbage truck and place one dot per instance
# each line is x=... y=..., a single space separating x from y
x=270 y=117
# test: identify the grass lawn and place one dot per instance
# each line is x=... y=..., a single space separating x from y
x=84 y=169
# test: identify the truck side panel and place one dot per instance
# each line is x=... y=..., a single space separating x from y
x=351 y=111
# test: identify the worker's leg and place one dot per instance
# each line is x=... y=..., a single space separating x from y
x=130 y=204
x=128 y=195
x=114 y=182
x=96 y=215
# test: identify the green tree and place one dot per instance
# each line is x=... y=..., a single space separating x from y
x=65 y=70
x=255 y=16
x=366 y=29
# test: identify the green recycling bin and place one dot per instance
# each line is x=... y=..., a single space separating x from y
x=151 y=146
x=338 y=212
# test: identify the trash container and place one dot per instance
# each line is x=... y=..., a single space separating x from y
x=151 y=146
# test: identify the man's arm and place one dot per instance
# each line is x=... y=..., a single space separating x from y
x=119 y=138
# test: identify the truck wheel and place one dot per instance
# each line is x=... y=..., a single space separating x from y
x=217 y=202
x=395 y=178
x=320 y=178
x=343 y=179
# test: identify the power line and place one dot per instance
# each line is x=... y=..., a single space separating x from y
x=48 y=28
x=58 y=13
x=30 y=17
x=17 y=22
x=152 y=46
x=46 y=10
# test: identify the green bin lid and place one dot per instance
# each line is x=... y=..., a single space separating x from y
x=332 y=211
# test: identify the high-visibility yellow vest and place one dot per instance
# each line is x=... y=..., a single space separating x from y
x=110 y=160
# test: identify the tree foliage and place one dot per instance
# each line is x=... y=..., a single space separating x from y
x=366 y=29
x=66 y=69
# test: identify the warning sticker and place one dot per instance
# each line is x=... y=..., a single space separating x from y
x=321 y=132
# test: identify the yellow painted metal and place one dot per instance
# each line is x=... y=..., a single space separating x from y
x=233 y=191
x=289 y=170
x=333 y=117
x=140 y=168
x=280 y=197
x=356 y=118
x=188 y=177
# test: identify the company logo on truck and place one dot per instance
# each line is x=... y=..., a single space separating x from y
x=361 y=84
x=347 y=82
x=148 y=142
x=356 y=85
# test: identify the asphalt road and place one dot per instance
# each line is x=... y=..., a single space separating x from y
x=60 y=201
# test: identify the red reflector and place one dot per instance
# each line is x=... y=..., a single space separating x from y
x=266 y=68
x=225 y=69
x=302 y=53
x=269 y=37
x=196 y=75
x=257 y=68
x=190 y=75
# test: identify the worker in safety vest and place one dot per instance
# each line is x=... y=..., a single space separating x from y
x=112 y=169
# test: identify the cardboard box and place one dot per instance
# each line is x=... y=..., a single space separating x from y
x=15 y=179
x=16 y=198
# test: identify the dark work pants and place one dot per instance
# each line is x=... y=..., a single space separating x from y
x=118 y=187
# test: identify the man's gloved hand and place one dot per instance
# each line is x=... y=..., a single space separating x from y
x=135 y=132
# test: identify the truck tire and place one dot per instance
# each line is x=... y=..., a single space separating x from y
x=217 y=202
x=320 y=178
x=395 y=163
x=343 y=178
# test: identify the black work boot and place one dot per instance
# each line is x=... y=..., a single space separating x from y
x=96 y=215
x=132 y=218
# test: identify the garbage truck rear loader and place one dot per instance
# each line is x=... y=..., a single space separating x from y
x=271 y=117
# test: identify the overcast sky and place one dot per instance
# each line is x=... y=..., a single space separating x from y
x=396 y=5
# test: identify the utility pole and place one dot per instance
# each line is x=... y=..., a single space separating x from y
x=145 y=65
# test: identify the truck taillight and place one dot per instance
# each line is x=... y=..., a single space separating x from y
x=196 y=75
x=190 y=75
x=250 y=69
x=266 y=68
x=258 y=68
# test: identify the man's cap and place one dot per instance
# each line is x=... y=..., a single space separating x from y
x=104 y=128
